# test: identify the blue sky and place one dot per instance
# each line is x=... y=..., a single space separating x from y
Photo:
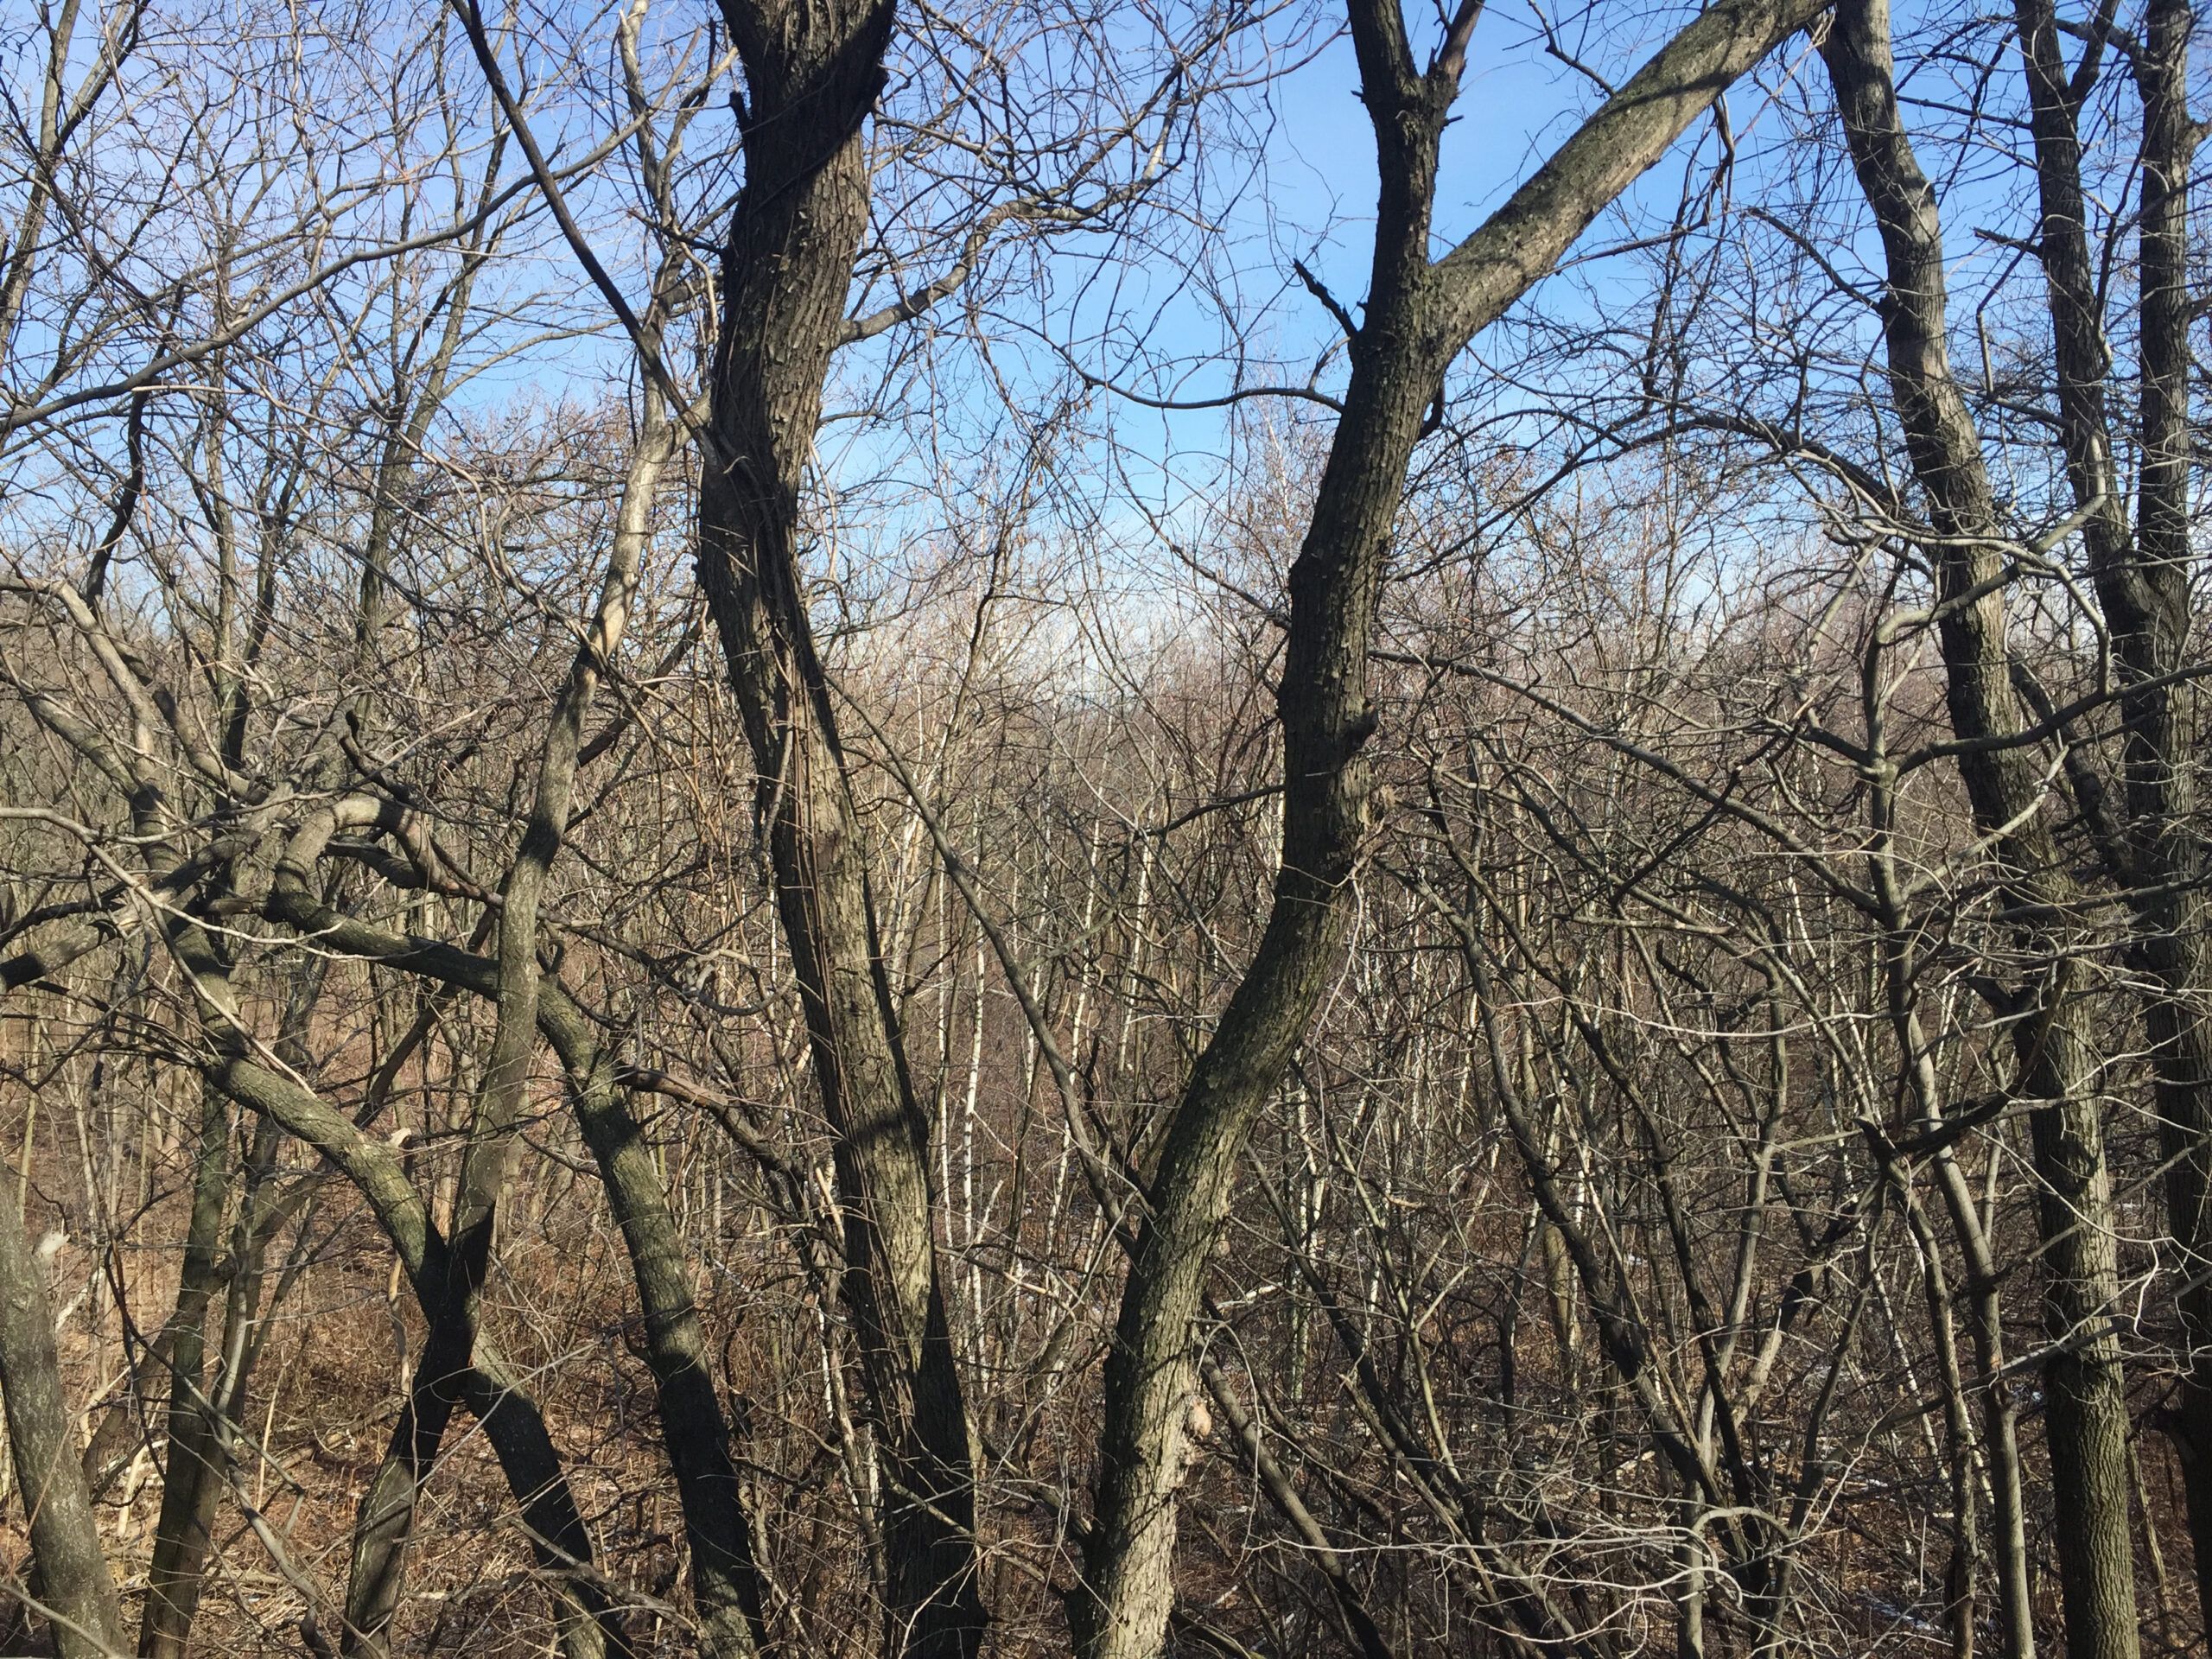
x=1309 y=193
x=1302 y=185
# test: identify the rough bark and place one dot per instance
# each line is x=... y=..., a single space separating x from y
x=181 y=1530
x=2087 y=1412
x=73 y=1584
x=1420 y=313
x=491 y=1390
x=2160 y=719
x=812 y=73
x=2142 y=586
x=725 y=1579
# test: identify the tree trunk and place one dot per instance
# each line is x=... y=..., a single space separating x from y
x=2087 y=1410
x=723 y=1573
x=812 y=75
x=489 y=1388
x=725 y=1579
x=444 y=1375
x=1984 y=1283
x=2142 y=585
x=181 y=1533
x=72 y=1583
x=1419 y=316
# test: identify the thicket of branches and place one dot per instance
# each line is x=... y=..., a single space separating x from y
x=796 y=857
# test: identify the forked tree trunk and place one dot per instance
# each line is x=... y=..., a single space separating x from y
x=812 y=72
x=2142 y=583
x=1420 y=313
x=2085 y=1416
x=725 y=1581
x=491 y=1390
x=2161 y=726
